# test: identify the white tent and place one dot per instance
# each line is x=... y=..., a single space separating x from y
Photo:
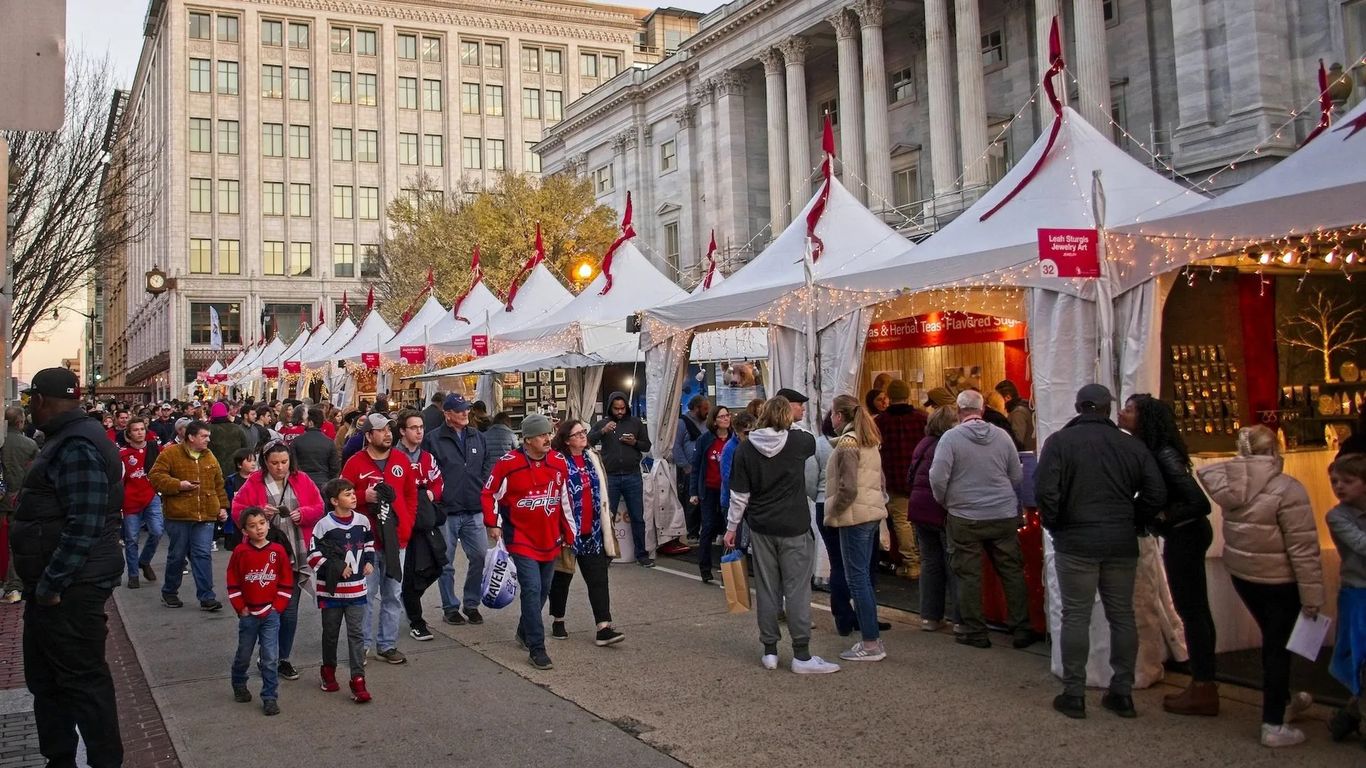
x=478 y=304
x=415 y=331
x=245 y=362
x=320 y=351
x=738 y=343
x=370 y=337
x=250 y=372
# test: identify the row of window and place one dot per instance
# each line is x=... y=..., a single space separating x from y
x=282 y=317
x=279 y=259
x=347 y=202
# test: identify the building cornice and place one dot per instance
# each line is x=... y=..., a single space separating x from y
x=633 y=93
x=708 y=37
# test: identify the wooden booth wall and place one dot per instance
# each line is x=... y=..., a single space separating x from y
x=933 y=360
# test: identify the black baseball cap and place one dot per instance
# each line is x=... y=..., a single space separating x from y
x=1094 y=394
x=59 y=383
x=792 y=395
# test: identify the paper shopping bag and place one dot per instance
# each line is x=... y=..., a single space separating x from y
x=735 y=577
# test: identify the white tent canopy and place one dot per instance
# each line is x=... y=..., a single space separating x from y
x=415 y=331
x=247 y=359
x=369 y=337
x=319 y=350
x=479 y=303
x=216 y=367
x=252 y=370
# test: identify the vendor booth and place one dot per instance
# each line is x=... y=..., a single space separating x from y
x=361 y=356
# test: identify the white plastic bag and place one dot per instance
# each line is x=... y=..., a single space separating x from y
x=500 y=578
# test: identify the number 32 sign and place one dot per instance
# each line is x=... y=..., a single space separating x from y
x=1065 y=253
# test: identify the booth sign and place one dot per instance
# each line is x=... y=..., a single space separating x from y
x=1069 y=253
x=479 y=343
x=414 y=355
x=370 y=359
x=938 y=329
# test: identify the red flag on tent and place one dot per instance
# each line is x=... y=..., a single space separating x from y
x=627 y=232
x=711 y=262
x=370 y=300
x=431 y=281
x=537 y=256
x=1325 y=106
x=322 y=318
x=813 y=216
x=476 y=274
x=1055 y=66
x=345 y=309
x=303 y=320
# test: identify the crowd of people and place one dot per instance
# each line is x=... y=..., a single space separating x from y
x=364 y=510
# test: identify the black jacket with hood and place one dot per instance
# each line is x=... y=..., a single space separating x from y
x=617 y=457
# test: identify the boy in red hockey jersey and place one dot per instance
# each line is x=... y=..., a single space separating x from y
x=260 y=583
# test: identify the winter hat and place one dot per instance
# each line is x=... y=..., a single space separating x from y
x=898 y=391
x=536 y=424
x=218 y=410
x=939 y=397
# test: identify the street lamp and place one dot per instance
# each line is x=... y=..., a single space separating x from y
x=584 y=272
x=95 y=376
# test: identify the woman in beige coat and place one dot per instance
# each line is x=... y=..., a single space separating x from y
x=855 y=505
x=1271 y=549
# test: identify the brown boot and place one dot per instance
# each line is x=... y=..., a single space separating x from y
x=1198 y=699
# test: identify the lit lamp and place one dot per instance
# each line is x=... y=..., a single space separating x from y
x=584 y=272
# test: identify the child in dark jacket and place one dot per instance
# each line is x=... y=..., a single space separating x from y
x=245 y=461
x=260 y=584
x=342 y=554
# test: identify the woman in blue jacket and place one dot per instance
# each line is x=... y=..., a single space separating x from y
x=704 y=484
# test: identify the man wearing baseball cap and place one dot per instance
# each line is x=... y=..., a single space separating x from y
x=465 y=463
x=65 y=537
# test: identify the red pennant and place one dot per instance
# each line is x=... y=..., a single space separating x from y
x=322 y=319
x=370 y=300
x=536 y=258
x=627 y=232
x=711 y=262
x=476 y=274
x=345 y=309
x=407 y=315
x=1325 y=106
x=813 y=216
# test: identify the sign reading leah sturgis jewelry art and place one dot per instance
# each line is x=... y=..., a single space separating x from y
x=938 y=329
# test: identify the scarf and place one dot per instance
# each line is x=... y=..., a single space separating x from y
x=583 y=489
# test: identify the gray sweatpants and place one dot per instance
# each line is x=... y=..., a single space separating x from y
x=355 y=645
x=1079 y=578
x=782 y=569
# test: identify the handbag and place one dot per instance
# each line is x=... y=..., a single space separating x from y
x=735 y=579
x=565 y=561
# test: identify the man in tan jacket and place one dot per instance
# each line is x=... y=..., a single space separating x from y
x=191 y=486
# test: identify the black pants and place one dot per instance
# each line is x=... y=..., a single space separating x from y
x=66 y=673
x=594 y=570
x=410 y=593
x=712 y=524
x=1183 y=555
x=1275 y=607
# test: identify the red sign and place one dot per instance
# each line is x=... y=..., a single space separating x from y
x=939 y=329
x=415 y=355
x=370 y=359
x=1069 y=253
x=293 y=366
x=271 y=372
x=480 y=344
x=202 y=376
x=216 y=378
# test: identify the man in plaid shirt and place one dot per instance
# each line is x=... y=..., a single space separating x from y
x=902 y=427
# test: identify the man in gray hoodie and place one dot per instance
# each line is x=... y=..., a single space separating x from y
x=973 y=475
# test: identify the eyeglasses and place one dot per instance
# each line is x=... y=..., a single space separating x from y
x=579 y=433
x=413 y=426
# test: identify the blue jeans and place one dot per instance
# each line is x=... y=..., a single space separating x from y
x=840 y=605
x=468 y=529
x=266 y=631
x=383 y=600
x=713 y=524
x=132 y=527
x=856 y=549
x=533 y=587
x=289 y=622
x=192 y=540
x=938 y=583
x=630 y=486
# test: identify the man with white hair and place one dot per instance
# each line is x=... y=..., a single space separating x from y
x=973 y=475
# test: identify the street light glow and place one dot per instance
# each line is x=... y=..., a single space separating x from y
x=584 y=270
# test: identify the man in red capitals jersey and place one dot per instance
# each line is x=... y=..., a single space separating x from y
x=526 y=501
x=386 y=488
x=141 y=504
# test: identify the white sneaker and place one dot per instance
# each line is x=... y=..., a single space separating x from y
x=11 y=597
x=861 y=653
x=930 y=625
x=769 y=660
x=814 y=666
x=1281 y=736
x=1299 y=703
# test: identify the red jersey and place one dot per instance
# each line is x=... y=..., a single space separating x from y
x=329 y=429
x=364 y=472
x=426 y=470
x=137 y=489
x=259 y=579
x=289 y=433
x=529 y=500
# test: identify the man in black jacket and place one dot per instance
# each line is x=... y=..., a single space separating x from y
x=622 y=440
x=432 y=415
x=317 y=456
x=465 y=463
x=1096 y=488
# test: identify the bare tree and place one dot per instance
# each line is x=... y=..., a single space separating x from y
x=78 y=197
x=1325 y=325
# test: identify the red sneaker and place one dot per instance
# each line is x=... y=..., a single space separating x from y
x=358 y=692
x=329 y=675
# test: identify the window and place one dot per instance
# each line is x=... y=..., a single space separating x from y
x=201 y=256
x=298 y=36
x=228 y=135
x=431 y=95
x=668 y=156
x=369 y=261
x=588 y=64
x=496 y=152
x=367 y=146
x=273 y=139
x=200 y=24
x=531 y=103
x=1119 y=118
x=301 y=265
x=431 y=49
x=341 y=144
x=906 y=190
x=407 y=93
x=341 y=39
x=343 y=206
x=902 y=85
x=229 y=258
x=229 y=196
x=993 y=49
x=367 y=42
x=469 y=54
x=301 y=200
x=367 y=83
x=610 y=65
x=227 y=78
x=530 y=159
x=407 y=47
x=493 y=100
x=531 y=59
x=407 y=149
x=229 y=322
x=341 y=87
x=829 y=107
x=201 y=196
x=554 y=106
x=201 y=139
x=998 y=152
x=602 y=179
x=554 y=62
x=272 y=81
x=288 y=318
x=273 y=198
x=367 y=203
x=1110 y=11
x=672 y=39
x=470 y=153
x=300 y=140
x=493 y=56
x=432 y=150
x=272 y=32
x=672 y=248
x=298 y=83
x=227 y=29
x=343 y=260
x=273 y=258
x=469 y=98
x=199 y=76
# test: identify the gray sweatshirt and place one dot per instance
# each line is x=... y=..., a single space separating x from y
x=1347 y=526
x=975 y=471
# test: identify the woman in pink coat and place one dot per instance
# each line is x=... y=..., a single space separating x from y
x=293 y=505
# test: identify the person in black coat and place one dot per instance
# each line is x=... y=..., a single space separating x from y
x=316 y=453
x=432 y=415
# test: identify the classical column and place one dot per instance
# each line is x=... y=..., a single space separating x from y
x=878 y=143
x=1093 y=69
x=851 y=103
x=1044 y=13
x=972 y=103
x=798 y=129
x=732 y=153
x=939 y=69
x=689 y=150
x=779 y=211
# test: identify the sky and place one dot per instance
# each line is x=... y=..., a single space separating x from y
x=115 y=26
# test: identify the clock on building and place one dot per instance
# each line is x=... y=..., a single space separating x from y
x=156 y=281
